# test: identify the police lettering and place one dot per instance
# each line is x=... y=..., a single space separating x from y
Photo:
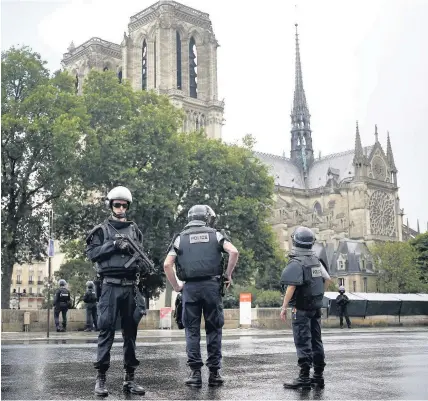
x=316 y=272
x=198 y=238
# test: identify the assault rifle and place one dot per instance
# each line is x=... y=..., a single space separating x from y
x=137 y=252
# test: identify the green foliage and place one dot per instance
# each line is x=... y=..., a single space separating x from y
x=42 y=122
x=259 y=297
x=397 y=268
x=76 y=272
x=135 y=141
x=333 y=287
x=420 y=245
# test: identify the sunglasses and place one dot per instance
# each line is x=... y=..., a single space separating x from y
x=119 y=205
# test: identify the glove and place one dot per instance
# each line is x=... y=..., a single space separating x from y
x=121 y=244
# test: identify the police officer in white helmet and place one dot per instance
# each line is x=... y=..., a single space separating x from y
x=111 y=252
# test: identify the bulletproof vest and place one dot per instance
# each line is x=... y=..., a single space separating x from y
x=63 y=297
x=115 y=264
x=90 y=297
x=310 y=294
x=200 y=255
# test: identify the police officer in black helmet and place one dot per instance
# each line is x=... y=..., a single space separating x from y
x=90 y=300
x=120 y=291
x=305 y=279
x=62 y=301
x=197 y=254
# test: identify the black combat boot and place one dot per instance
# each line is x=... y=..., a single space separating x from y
x=195 y=379
x=100 y=385
x=215 y=378
x=303 y=381
x=318 y=378
x=129 y=384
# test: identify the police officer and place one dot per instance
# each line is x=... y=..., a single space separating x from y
x=119 y=292
x=90 y=300
x=197 y=254
x=305 y=279
x=61 y=303
x=342 y=301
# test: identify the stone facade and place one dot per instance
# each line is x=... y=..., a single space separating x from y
x=169 y=48
x=349 y=199
x=345 y=197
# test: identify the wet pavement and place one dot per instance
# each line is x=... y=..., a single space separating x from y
x=361 y=364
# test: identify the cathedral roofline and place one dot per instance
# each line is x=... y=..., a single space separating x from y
x=110 y=47
x=271 y=155
x=154 y=11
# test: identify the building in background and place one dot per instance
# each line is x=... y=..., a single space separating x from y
x=29 y=280
x=169 y=48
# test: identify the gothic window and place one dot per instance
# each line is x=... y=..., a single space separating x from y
x=144 y=66
x=76 y=84
x=317 y=209
x=379 y=169
x=178 y=44
x=341 y=265
x=193 y=69
x=154 y=61
x=382 y=215
x=119 y=76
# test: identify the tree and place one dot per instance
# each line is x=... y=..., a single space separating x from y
x=396 y=264
x=42 y=122
x=420 y=245
x=135 y=141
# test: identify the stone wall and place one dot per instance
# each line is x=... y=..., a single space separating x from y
x=263 y=318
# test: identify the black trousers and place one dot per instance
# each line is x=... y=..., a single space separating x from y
x=307 y=339
x=63 y=311
x=91 y=316
x=115 y=299
x=343 y=312
x=203 y=297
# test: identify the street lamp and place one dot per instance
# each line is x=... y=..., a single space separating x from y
x=51 y=253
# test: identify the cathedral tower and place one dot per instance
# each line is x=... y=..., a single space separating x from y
x=169 y=48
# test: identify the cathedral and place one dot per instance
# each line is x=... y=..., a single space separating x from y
x=350 y=199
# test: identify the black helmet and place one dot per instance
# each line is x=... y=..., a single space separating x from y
x=201 y=213
x=303 y=237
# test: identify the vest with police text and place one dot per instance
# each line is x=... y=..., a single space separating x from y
x=309 y=296
x=199 y=255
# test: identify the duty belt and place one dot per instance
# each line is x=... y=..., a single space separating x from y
x=118 y=281
x=197 y=279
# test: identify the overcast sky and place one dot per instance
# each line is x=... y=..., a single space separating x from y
x=364 y=60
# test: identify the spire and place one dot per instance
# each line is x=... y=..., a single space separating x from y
x=302 y=153
x=390 y=156
x=419 y=231
x=359 y=152
x=376 y=134
x=300 y=112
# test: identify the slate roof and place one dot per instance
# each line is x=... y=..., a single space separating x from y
x=288 y=174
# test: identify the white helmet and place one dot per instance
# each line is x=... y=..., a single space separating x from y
x=119 y=193
x=341 y=288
